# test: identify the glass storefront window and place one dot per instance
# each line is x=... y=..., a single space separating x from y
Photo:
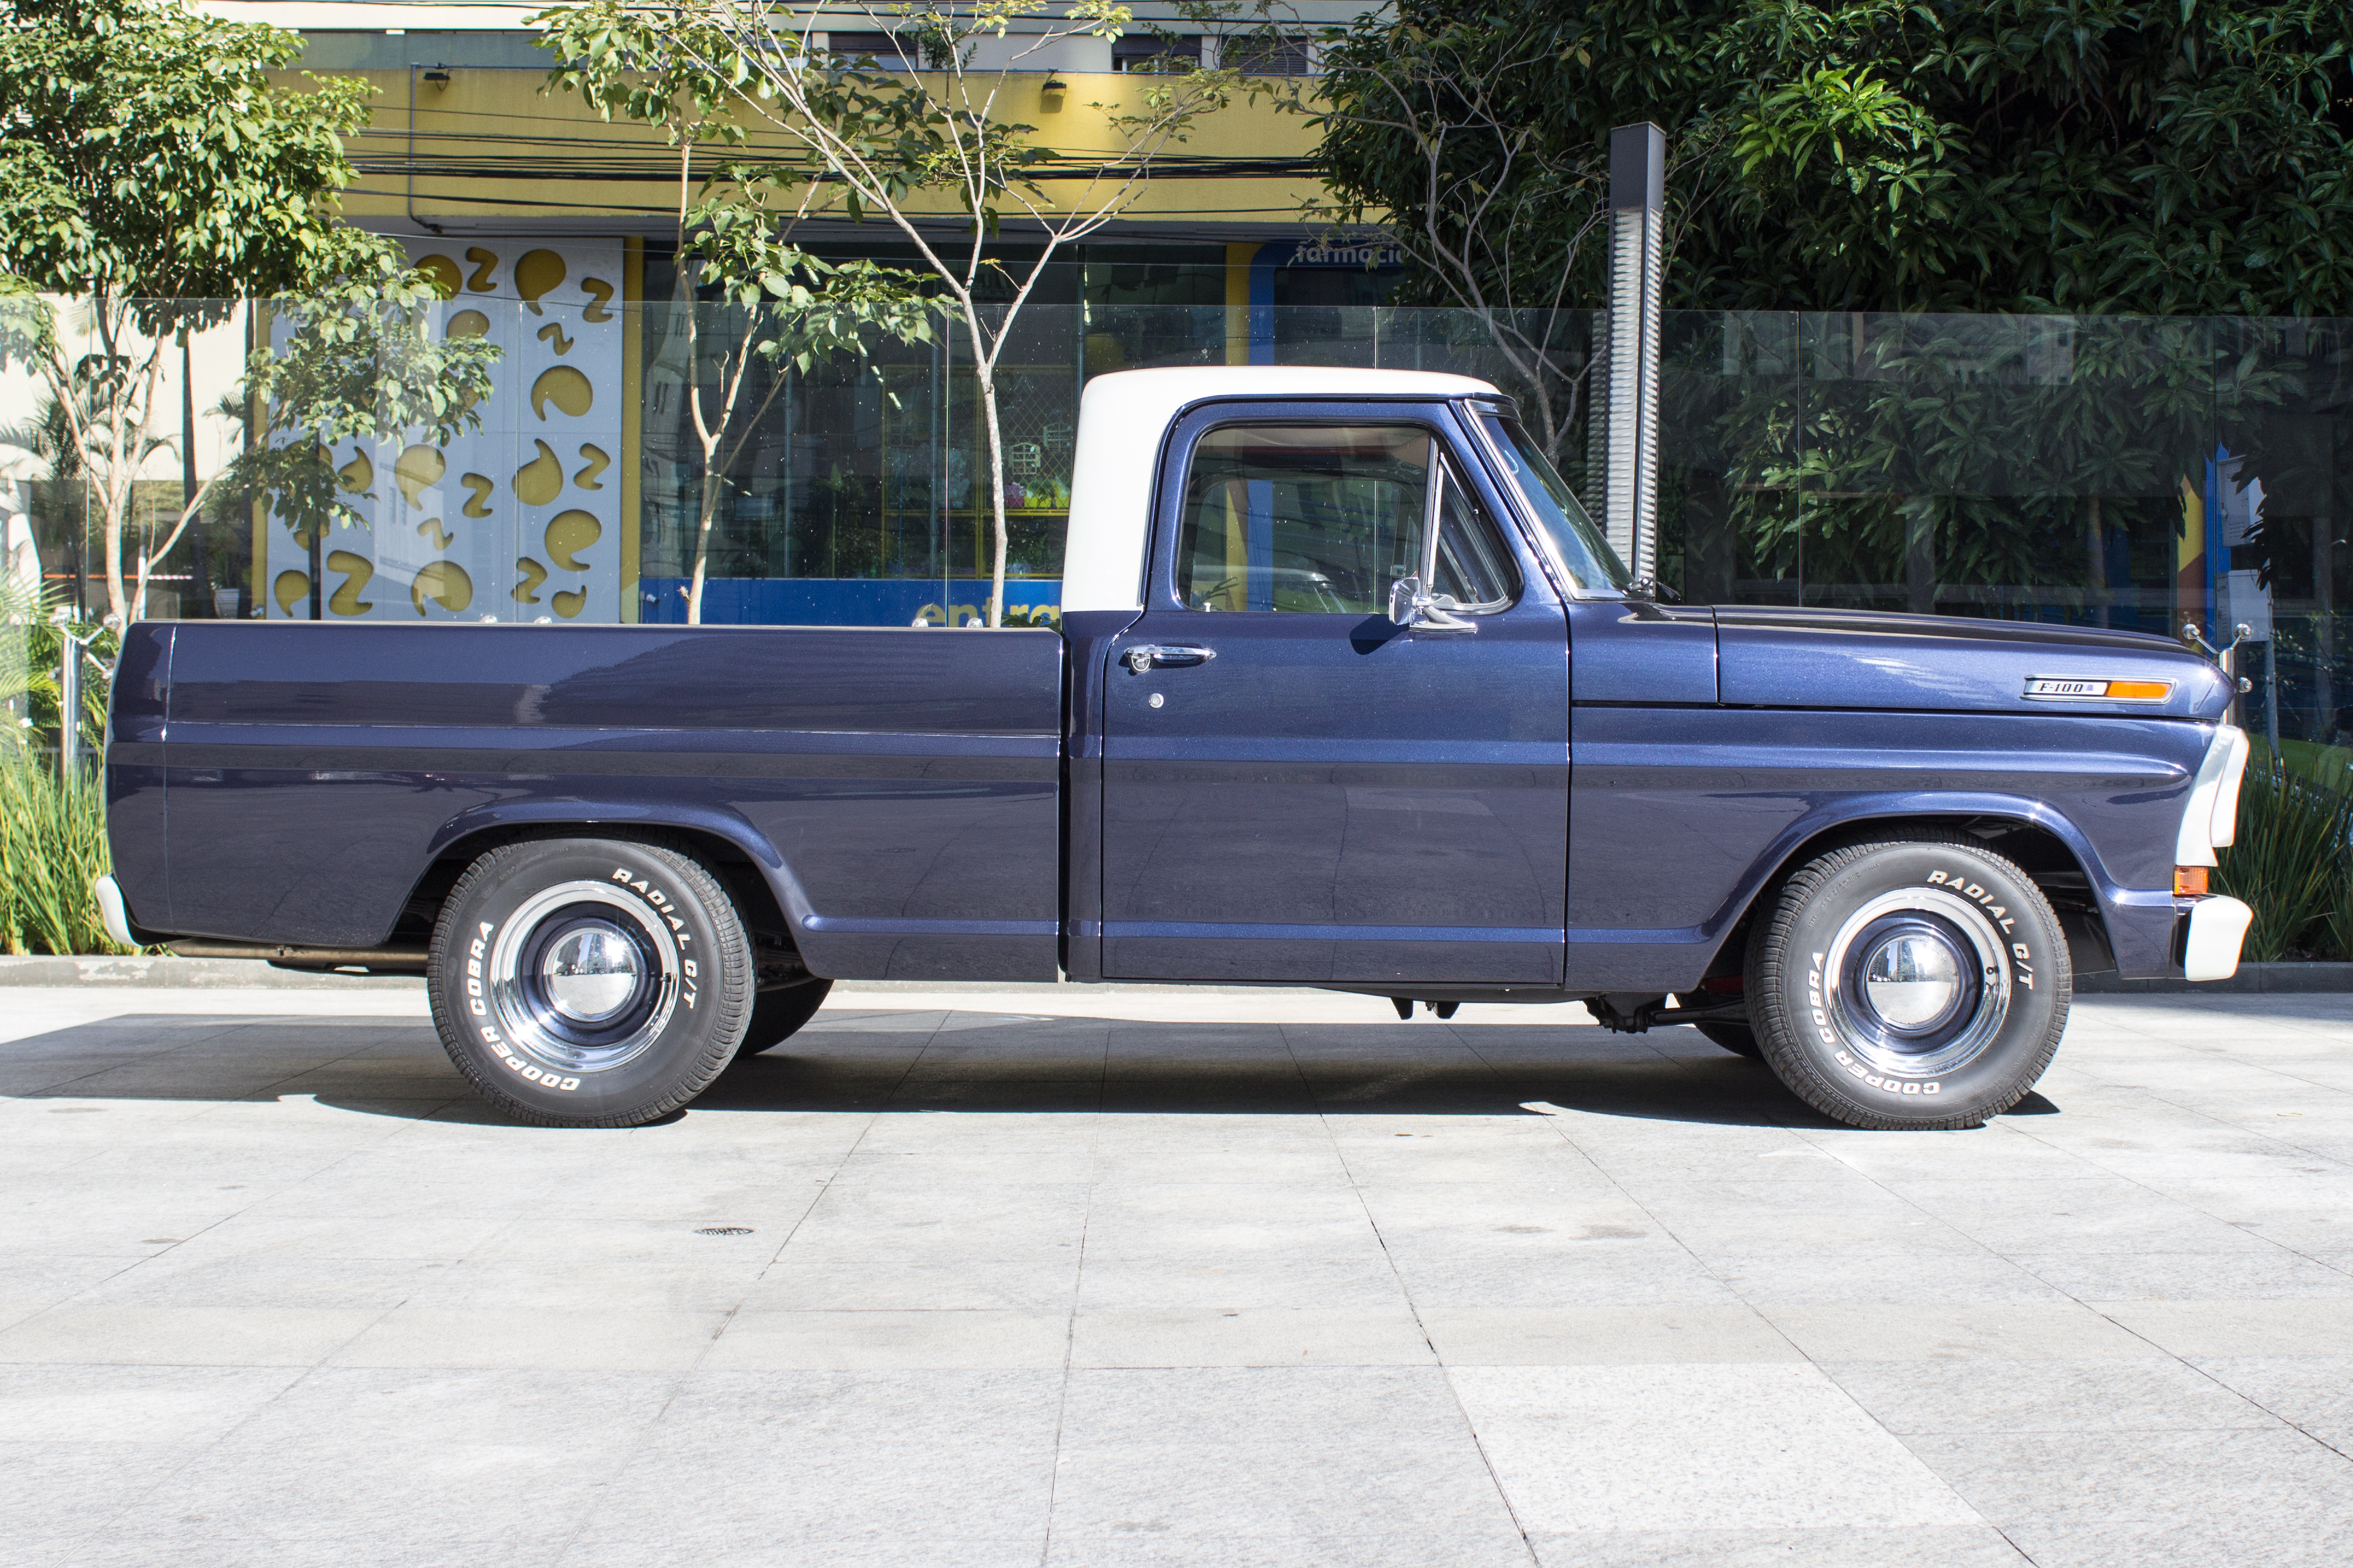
x=2117 y=472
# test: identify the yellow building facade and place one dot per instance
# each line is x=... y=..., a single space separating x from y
x=852 y=492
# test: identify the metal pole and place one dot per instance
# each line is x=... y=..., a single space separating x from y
x=69 y=705
x=2271 y=693
x=1638 y=179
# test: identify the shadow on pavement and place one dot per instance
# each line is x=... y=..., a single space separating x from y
x=1005 y=1064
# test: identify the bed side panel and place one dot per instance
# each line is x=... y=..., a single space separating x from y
x=899 y=786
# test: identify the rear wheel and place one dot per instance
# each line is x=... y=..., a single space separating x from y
x=1920 y=982
x=589 y=981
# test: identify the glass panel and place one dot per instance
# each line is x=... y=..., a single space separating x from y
x=2015 y=466
x=1474 y=567
x=1727 y=447
x=1317 y=518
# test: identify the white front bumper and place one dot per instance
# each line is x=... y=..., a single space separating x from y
x=2217 y=926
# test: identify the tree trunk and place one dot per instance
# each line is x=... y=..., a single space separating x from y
x=115 y=523
x=984 y=370
x=709 y=510
x=199 y=579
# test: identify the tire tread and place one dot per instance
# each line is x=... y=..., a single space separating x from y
x=1795 y=1067
x=733 y=993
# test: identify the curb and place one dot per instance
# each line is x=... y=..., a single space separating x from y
x=2271 y=979
x=170 y=974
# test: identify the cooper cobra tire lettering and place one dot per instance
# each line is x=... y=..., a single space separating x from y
x=694 y=980
x=1832 y=912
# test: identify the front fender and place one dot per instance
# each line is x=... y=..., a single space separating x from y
x=1680 y=818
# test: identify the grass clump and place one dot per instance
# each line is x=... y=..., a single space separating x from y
x=2289 y=863
x=52 y=849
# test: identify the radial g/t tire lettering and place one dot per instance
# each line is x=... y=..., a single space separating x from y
x=1917 y=982
x=589 y=981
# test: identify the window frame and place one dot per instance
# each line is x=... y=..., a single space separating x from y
x=1454 y=449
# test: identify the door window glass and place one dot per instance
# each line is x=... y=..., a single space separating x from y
x=1324 y=518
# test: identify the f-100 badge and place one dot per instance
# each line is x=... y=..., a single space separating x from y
x=2090 y=689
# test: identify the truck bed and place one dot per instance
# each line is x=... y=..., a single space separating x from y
x=897 y=790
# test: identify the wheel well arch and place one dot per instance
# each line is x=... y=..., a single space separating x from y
x=2046 y=857
x=743 y=877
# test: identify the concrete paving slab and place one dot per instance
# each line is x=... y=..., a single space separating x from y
x=1611 y=1448
x=1604 y=1336
x=1249 y=1336
x=2240 y=1328
x=1920 y=1546
x=932 y=1340
x=1998 y=1331
x=2150 y=1394
x=72 y=1334
x=1085 y=1275
x=2037 y=1480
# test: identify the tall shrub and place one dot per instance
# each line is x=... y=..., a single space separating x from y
x=52 y=849
x=2288 y=864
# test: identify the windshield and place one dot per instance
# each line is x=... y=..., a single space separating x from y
x=1583 y=549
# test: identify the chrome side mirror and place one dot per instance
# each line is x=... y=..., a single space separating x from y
x=1404 y=597
x=1418 y=611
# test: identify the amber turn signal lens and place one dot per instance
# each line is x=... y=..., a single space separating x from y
x=2139 y=691
x=2190 y=881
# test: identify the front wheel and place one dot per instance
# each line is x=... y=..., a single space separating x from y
x=589 y=981
x=1920 y=982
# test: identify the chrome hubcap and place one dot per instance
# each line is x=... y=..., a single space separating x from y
x=1916 y=982
x=581 y=978
x=591 y=971
x=1911 y=980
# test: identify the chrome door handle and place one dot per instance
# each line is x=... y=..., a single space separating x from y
x=1160 y=656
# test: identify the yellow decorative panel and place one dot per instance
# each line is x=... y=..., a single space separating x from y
x=500 y=522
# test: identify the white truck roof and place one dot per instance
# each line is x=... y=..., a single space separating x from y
x=1121 y=418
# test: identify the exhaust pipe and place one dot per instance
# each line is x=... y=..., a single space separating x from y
x=314 y=960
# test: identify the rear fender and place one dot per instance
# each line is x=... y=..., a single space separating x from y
x=594 y=816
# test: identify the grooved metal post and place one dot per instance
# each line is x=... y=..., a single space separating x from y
x=68 y=707
x=1638 y=180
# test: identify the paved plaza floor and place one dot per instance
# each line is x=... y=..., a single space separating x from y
x=1077 y=1278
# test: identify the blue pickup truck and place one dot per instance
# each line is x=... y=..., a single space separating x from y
x=1348 y=693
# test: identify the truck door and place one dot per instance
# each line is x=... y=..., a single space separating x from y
x=1295 y=788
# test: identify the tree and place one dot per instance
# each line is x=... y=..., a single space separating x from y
x=686 y=72
x=359 y=361
x=2141 y=156
x=900 y=145
x=1502 y=204
x=2086 y=158
x=149 y=166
